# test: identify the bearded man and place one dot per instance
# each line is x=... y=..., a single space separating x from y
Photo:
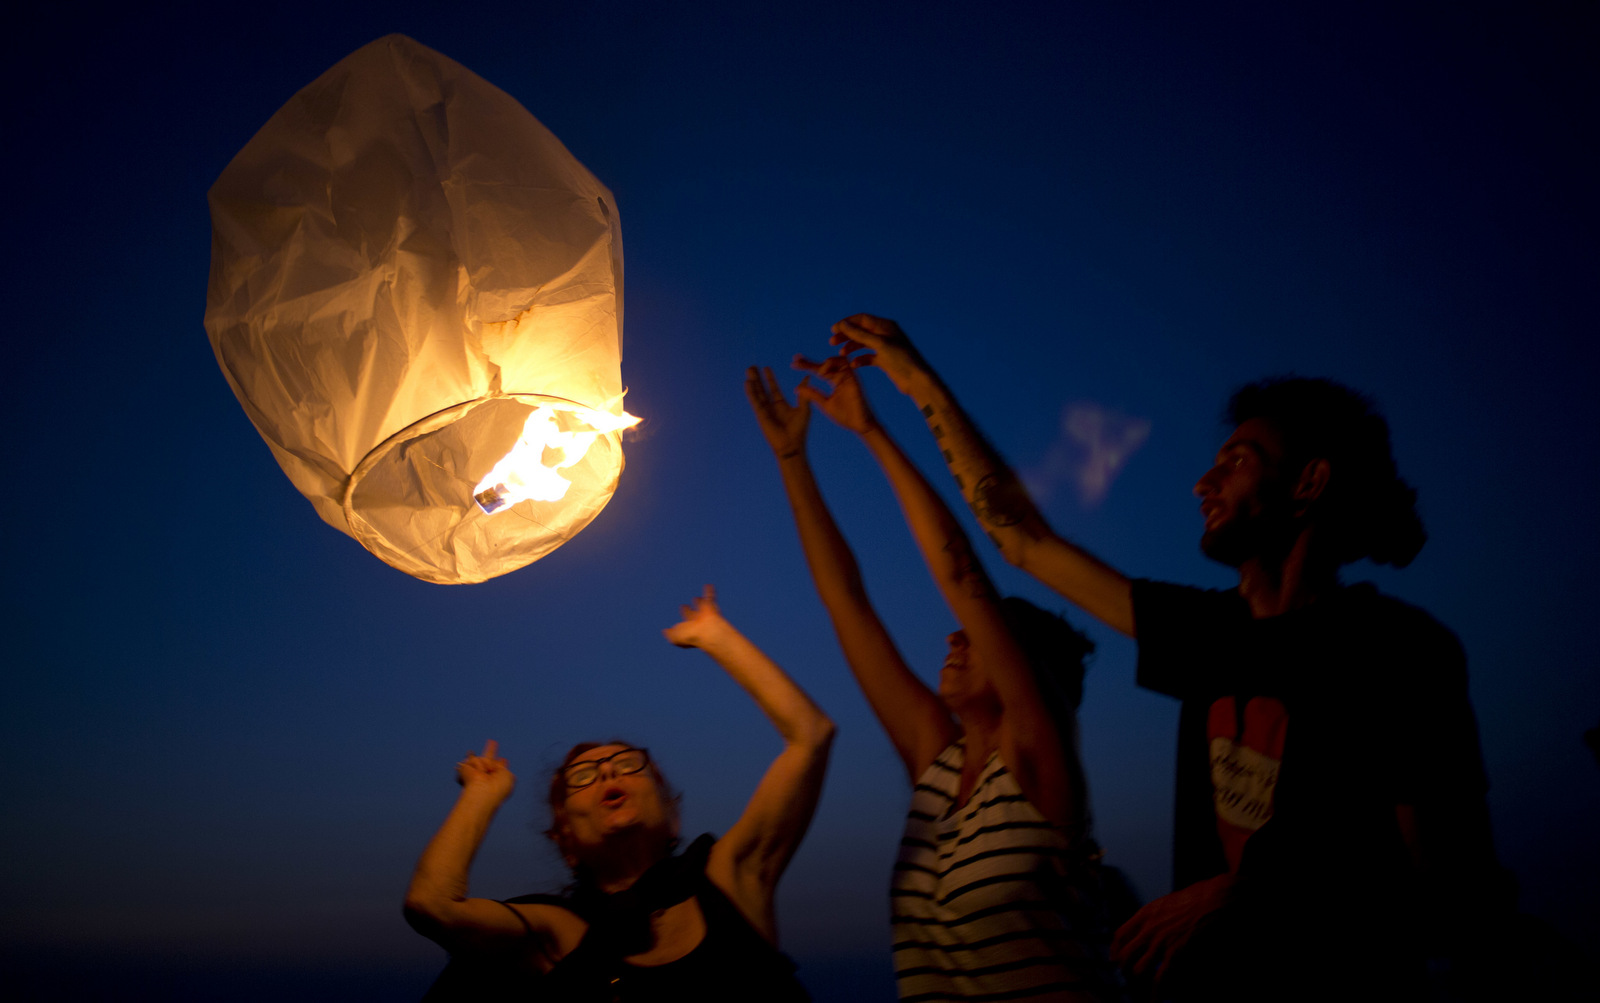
x=1331 y=833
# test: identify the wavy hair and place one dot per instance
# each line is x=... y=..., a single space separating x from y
x=557 y=798
x=1057 y=652
x=1367 y=509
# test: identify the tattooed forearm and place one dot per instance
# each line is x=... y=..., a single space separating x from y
x=999 y=500
x=995 y=494
x=961 y=445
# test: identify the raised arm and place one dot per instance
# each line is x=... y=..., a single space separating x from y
x=990 y=488
x=1029 y=741
x=918 y=724
x=747 y=862
x=437 y=904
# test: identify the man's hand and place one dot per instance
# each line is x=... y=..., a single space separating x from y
x=487 y=773
x=1146 y=944
x=847 y=405
x=702 y=623
x=783 y=424
x=885 y=345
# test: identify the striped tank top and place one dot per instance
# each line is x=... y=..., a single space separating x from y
x=991 y=901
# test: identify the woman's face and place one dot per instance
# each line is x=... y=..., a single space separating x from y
x=962 y=681
x=614 y=803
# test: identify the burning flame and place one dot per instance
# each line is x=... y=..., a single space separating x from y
x=531 y=470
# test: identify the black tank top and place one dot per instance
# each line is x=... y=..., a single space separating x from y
x=732 y=962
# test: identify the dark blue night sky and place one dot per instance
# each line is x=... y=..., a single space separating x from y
x=228 y=730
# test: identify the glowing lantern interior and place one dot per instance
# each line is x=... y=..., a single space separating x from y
x=531 y=471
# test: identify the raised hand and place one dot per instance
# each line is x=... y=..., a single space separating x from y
x=487 y=772
x=882 y=344
x=847 y=404
x=783 y=424
x=702 y=622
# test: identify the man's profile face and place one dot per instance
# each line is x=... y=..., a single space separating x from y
x=1244 y=498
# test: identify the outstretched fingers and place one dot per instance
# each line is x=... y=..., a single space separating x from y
x=705 y=604
x=757 y=391
x=695 y=619
x=830 y=369
x=772 y=385
x=810 y=393
x=807 y=366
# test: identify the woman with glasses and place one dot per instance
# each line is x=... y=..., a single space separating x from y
x=641 y=923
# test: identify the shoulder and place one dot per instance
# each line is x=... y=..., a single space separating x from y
x=936 y=788
x=1185 y=634
x=948 y=763
x=1364 y=599
x=1163 y=606
x=1418 y=639
x=699 y=851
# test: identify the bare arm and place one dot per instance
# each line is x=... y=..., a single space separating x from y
x=918 y=724
x=989 y=486
x=437 y=904
x=747 y=862
x=1033 y=749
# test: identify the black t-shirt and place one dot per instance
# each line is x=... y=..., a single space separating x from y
x=1368 y=698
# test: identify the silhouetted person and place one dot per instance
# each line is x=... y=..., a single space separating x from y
x=641 y=924
x=997 y=893
x=1331 y=831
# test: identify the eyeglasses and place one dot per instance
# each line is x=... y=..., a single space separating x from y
x=581 y=775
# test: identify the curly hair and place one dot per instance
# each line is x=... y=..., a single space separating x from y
x=1056 y=650
x=1367 y=509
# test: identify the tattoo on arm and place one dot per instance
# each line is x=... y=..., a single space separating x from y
x=997 y=496
x=1000 y=501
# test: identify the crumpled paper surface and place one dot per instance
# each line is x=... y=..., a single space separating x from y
x=403 y=262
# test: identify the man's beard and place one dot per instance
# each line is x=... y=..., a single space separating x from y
x=1227 y=544
x=1248 y=536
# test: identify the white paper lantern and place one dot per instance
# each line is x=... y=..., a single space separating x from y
x=404 y=264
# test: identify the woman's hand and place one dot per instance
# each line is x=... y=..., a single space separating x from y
x=783 y=424
x=486 y=774
x=439 y=904
x=847 y=404
x=702 y=624
x=883 y=344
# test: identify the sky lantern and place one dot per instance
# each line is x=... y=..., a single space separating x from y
x=416 y=294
